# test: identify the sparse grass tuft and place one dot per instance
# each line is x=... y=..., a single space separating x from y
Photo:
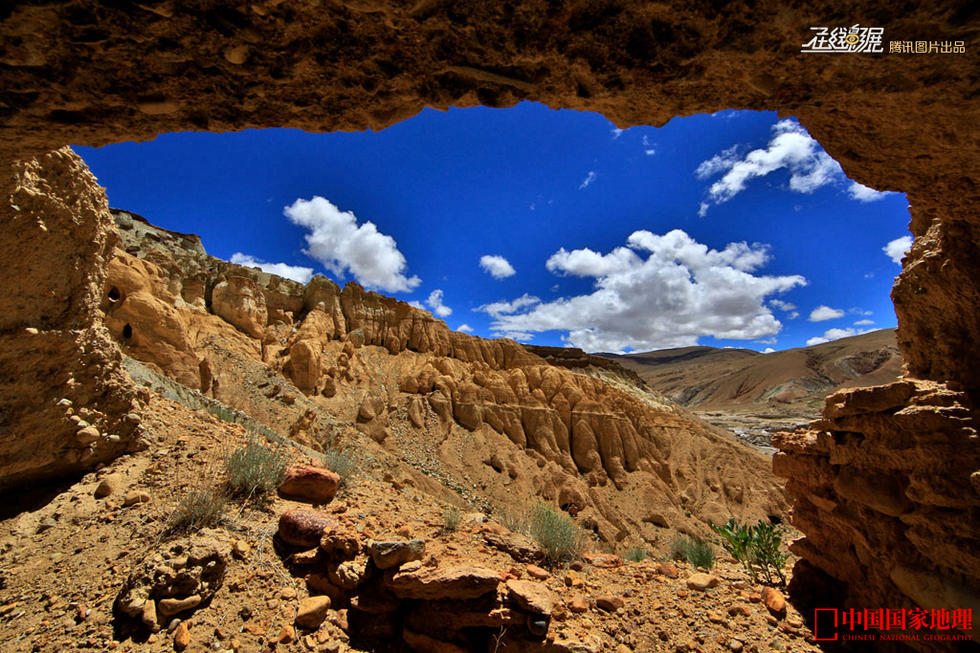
x=342 y=462
x=254 y=470
x=636 y=554
x=693 y=549
x=196 y=510
x=559 y=537
x=451 y=518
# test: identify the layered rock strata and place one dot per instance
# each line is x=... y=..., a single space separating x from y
x=886 y=489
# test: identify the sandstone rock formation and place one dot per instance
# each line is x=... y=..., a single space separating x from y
x=66 y=404
x=886 y=490
x=587 y=443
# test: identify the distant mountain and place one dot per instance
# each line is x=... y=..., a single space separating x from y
x=783 y=387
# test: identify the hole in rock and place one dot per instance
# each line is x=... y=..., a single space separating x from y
x=683 y=254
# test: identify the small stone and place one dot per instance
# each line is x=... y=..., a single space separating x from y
x=535 y=571
x=574 y=579
x=170 y=607
x=578 y=604
x=236 y=55
x=395 y=553
x=135 y=497
x=312 y=611
x=287 y=593
x=668 y=569
x=182 y=636
x=794 y=622
x=735 y=645
x=603 y=560
x=308 y=557
x=47 y=524
x=530 y=596
x=609 y=603
x=716 y=617
x=240 y=549
x=109 y=484
x=404 y=531
x=702 y=582
x=287 y=634
x=774 y=601
x=87 y=435
x=739 y=611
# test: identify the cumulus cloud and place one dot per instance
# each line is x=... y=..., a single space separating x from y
x=898 y=248
x=497 y=266
x=658 y=291
x=435 y=303
x=496 y=309
x=337 y=241
x=294 y=272
x=465 y=328
x=790 y=148
x=768 y=350
x=823 y=313
x=835 y=334
x=589 y=178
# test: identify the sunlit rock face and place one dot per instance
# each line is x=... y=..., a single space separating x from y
x=97 y=73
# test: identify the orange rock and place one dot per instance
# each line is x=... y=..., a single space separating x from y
x=182 y=636
x=701 y=581
x=774 y=601
x=604 y=560
x=314 y=484
x=535 y=571
x=578 y=604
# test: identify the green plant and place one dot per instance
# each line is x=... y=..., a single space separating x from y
x=559 y=537
x=695 y=550
x=758 y=548
x=196 y=510
x=255 y=470
x=636 y=554
x=451 y=518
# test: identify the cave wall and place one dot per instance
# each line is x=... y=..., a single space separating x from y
x=95 y=73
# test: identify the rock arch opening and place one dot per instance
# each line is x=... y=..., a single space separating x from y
x=880 y=119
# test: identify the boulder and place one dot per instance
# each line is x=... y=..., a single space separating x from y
x=314 y=484
x=304 y=528
x=459 y=582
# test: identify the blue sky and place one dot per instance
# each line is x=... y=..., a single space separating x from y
x=553 y=227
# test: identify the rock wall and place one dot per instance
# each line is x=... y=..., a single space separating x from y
x=66 y=403
x=886 y=488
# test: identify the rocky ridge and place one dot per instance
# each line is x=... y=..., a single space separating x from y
x=404 y=380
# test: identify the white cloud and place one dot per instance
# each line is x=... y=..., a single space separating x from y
x=589 y=178
x=898 y=248
x=648 y=147
x=790 y=147
x=864 y=322
x=793 y=315
x=435 y=303
x=416 y=304
x=294 y=272
x=465 y=328
x=341 y=245
x=862 y=193
x=768 y=350
x=497 y=266
x=496 y=309
x=659 y=291
x=822 y=313
x=617 y=132
x=835 y=334
x=781 y=305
